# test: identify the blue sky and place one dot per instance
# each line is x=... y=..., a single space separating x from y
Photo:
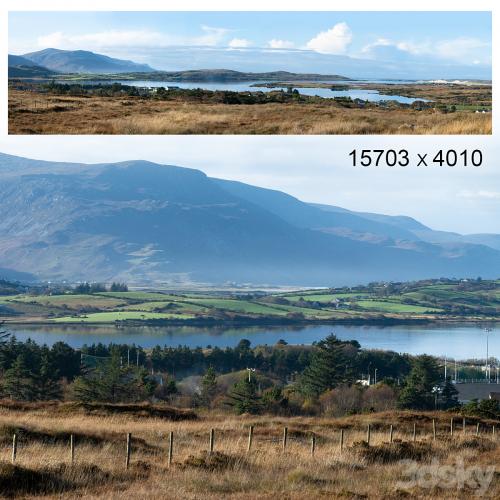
x=448 y=37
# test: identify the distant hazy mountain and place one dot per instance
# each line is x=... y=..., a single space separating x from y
x=20 y=67
x=147 y=223
x=421 y=232
x=82 y=61
x=257 y=60
x=308 y=61
x=227 y=75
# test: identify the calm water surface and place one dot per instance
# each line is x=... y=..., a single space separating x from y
x=366 y=95
x=458 y=341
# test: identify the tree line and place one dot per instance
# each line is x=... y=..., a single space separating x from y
x=325 y=378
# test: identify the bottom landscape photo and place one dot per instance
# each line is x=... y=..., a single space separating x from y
x=245 y=321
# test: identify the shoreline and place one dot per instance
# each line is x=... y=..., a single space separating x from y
x=243 y=324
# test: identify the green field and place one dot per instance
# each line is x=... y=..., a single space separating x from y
x=240 y=306
x=438 y=300
x=111 y=317
x=394 y=307
x=326 y=298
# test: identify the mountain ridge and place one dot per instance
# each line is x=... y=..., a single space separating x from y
x=145 y=223
x=83 y=61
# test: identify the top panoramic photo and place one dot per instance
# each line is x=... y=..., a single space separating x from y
x=267 y=73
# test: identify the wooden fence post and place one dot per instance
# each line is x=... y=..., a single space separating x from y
x=285 y=438
x=341 y=439
x=14 y=447
x=72 y=448
x=477 y=429
x=451 y=427
x=313 y=443
x=493 y=431
x=250 y=438
x=391 y=433
x=463 y=426
x=129 y=442
x=211 y=442
x=170 y=448
x=414 y=431
x=434 y=429
x=368 y=434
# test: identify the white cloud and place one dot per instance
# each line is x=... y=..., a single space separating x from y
x=463 y=49
x=333 y=41
x=460 y=50
x=103 y=39
x=120 y=39
x=212 y=36
x=280 y=44
x=239 y=43
x=480 y=195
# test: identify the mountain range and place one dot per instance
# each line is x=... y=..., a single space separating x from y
x=77 y=61
x=20 y=67
x=145 y=223
x=183 y=59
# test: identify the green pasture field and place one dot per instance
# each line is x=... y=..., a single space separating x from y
x=236 y=305
x=111 y=317
x=69 y=301
x=394 y=307
x=326 y=297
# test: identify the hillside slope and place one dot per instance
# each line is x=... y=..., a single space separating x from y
x=142 y=222
x=21 y=67
x=83 y=61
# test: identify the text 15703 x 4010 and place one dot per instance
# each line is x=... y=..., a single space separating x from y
x=403 y=158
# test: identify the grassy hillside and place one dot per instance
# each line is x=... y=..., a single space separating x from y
x=426 y=300
x=43 y=465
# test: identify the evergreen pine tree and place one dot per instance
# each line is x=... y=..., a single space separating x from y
x=422 y=380
x=18 y=381
x=243 y=397
x=47 y=384
x=208 y=387
x=449 y=395
x=111 y=383
x=330 y=366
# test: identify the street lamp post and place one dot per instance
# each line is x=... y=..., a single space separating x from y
x=250 y=370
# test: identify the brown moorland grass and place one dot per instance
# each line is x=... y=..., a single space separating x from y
x=358 y=471
x=35 y=113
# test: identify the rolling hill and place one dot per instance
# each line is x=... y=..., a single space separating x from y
x=20 y=67
x=142 y=222
x=83 y=61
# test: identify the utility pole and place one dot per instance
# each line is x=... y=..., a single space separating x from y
x=487 y=366
x=445 y=373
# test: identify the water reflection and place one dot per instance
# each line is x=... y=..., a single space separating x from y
x=460 y=340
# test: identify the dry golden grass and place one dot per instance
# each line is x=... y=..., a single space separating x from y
x=31 y=113
x=266 y=472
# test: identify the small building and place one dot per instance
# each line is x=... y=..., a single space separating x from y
x=495 y=396
x=477 y=390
